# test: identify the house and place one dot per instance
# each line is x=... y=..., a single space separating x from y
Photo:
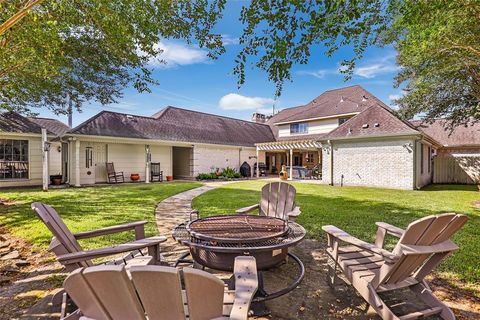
x=458 y=158
x=21 y=149
x=348 y=134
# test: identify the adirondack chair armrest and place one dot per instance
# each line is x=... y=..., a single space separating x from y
x=445 y=246
x=247 y=209
x=194 y=214
x=138 y=226
x=391 y=230
x=347 y=238
x=294 y=213
x=246 y=284
x=74 y=257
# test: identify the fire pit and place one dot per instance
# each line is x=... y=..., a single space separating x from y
x=214 y=242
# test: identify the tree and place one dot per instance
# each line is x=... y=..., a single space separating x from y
x=66 y=52
x=438 y=44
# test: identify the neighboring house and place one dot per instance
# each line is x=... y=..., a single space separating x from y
x=351 y=136
x=458 y=159
x=21 y=149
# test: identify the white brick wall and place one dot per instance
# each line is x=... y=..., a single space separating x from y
x=378 y=163
x=206 y=157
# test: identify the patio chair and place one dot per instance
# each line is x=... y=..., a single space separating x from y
x=278 y=200
x=155 y=173
x=155 y=293
x=373 y=270
x=114 y=176
x=71 y=255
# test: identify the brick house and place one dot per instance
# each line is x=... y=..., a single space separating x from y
x=348 y=135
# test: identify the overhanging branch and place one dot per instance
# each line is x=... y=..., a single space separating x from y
x=18 y=16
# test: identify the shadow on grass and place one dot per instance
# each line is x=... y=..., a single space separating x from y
x=356 y=211
x=451 y=187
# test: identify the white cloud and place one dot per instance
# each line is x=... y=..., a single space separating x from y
x=177 y=54
x=229 y=40
x=392 y=97
x=373 y=70
x=320 y=74
x=234 y=101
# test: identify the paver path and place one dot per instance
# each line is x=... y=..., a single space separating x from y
x=173 y=211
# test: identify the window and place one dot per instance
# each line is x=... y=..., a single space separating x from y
x=342 y=121
x=429 y=159
x=299 y=127
x=309 y=158
x=421 y=158
x=13 y=159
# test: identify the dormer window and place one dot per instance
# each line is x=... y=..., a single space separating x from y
x=301 y=127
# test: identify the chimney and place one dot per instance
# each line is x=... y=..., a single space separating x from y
x=258 y=117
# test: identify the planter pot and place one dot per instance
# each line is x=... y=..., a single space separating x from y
x=134 y=177
x=169 y=178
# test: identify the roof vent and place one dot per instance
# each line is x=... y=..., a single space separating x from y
x=341 y=99
x=349 y=131
x=364 y=98
x=376 y=124
x=129 y=116
x=365 y=126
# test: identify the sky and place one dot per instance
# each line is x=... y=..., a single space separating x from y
x=193 y=81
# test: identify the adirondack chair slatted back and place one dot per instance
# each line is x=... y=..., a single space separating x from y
x=58 y=228
x=278 y=198
x=106 y=292
x=429 y=231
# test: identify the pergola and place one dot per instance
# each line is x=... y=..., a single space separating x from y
x=288 y=145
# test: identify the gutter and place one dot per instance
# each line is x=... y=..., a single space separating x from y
x=331 y=162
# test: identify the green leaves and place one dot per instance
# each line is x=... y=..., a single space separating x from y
x=76 y=51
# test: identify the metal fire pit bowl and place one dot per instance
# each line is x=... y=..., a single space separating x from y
x=214 y=242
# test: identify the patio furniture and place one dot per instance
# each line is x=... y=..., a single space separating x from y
x=71 y=255
x=278 y=200
x=155 y=293
x=373 y=270
x=262 y=169
x=155 y=173
x=215 y=241
x=114 y=176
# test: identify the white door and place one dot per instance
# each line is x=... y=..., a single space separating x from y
x=100 y=158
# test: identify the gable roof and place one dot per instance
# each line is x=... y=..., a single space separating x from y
x=176 y=124
x=375 y=121
x=52 y=125
x=346 y=100
x=461 y=135
x=13 y=122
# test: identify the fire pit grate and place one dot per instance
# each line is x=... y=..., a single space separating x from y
x=237 y=228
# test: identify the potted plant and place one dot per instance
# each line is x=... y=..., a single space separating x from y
x=56 y=179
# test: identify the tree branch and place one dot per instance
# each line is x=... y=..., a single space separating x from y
x=17 y=16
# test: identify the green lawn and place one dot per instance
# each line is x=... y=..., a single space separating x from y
x=357 y=209
x=85 y=209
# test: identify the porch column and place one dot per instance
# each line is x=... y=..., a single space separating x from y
x=290 y=173
x=77 y=163
x=45 y=148
x=258 y=173
x=148 y=159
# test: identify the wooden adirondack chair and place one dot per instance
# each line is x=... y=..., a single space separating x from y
x=155 y=173
x=114 y=176
x=278 y=200
x=71 y=255
x=373 y=270
x=155 y=293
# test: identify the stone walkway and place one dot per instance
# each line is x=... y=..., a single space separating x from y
x=171 y=212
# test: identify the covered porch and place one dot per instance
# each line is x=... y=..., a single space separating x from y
x=302 y=158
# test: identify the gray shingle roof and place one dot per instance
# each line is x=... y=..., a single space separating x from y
x=15 y=123
x=375 y=121
x=176 y=124
x=54 y=126
x=330 y=103
x=461 y=135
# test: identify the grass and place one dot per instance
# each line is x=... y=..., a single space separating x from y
x=356 y=210
x=84 y=209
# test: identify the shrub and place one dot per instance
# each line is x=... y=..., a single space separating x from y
x=206 y=176
x=230 y=173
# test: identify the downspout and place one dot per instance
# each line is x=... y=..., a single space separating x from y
x=415 y=182
x=331 y=161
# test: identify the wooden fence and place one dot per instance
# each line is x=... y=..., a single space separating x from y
x=457 y=169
